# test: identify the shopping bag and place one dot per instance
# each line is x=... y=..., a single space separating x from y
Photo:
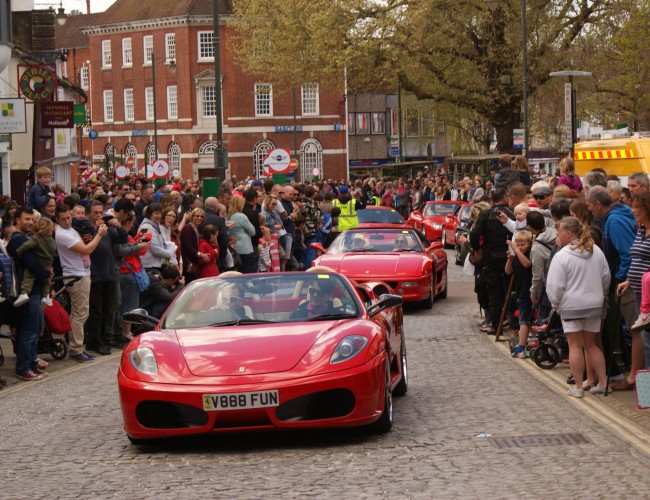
x=468 y=267
x=643 y=389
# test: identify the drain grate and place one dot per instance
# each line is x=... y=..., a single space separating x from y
x=538 y=440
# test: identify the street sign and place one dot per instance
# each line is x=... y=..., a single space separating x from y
x=83 y=165
x=176 y=173
x=293 y=164
x=316 y=172
x=121 y=171
x=394 y=145
x=518 y=138
x=278 y=161
x=93 y=134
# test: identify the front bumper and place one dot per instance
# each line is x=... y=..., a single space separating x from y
x=361 y=388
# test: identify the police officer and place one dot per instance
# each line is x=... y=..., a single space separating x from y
x=349 y=206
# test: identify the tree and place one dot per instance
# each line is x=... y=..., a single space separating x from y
x=454 y=52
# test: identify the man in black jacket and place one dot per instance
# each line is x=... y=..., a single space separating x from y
x=251 y=262
x=506 y=174
x=164 y=286
x=211 y=209
x=490 y=235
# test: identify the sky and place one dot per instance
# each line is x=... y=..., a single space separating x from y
x=95 y=5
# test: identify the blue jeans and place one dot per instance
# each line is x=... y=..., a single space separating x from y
x=310 y=254
x=31 y=325
x=130 y=294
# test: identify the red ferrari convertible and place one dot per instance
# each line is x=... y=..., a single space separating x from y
x=402 y=258
x=265 y=351
x=437 y=221
x=379 y=217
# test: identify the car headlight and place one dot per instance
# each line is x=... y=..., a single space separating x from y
x=436 y=226
x=144 y=360
x=410 y=283
x=348 y=348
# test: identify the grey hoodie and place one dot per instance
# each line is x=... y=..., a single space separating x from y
x=578 y=282
x=540 y=252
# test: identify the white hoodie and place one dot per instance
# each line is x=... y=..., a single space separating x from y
x=578 y=282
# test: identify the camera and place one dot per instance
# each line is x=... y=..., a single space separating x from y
x=107 y=218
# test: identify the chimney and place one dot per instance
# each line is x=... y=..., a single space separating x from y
x=87 y=6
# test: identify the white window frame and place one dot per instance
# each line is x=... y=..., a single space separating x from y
x=174 y=157
x=131 y=152
x=310 y=99
x=127 y=53
x=172 y=102
x=108 y=106
x=261 y=103
x=311 y=157
x=205 y=50
x=129 y=106
x=147 y=49
x=107 y=61
x=260 y=152
x=170 y=47
x=203 y=91
x=84 y=77
x=148 y=103
x=378 y=127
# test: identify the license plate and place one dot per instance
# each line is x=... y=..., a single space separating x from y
x=240 y=400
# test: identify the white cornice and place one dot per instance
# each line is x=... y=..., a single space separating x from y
x=149 y=24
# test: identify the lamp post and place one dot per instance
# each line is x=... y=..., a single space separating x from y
x=155 y=118
x=219 y=152
x=492 y=5
x=571 y=102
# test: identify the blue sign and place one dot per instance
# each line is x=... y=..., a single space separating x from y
x=93 y=134
x=394 y=151
x=139 y=133
x=337 y=127
x=288 y=128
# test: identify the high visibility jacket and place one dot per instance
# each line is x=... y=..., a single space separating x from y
x=348 y=218
x=375 y=200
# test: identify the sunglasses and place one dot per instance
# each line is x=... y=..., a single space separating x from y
x=316 y=291
x=199 y=217
x=233 y=299
x=540 y=197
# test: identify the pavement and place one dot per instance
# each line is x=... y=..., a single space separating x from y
x=475 y=423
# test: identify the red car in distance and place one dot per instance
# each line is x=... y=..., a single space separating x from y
x=438 y=220
x=379 y=217
x=266 y=351
x=402 y=258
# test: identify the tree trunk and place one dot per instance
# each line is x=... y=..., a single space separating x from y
x=504 y=130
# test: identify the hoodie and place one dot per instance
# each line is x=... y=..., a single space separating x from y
x=619 y=231
x=540 y=253
x=578 y=282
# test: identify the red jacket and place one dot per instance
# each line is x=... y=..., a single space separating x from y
x=208 y=269
x=133 y=260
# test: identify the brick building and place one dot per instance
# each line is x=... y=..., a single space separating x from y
x=132 y=40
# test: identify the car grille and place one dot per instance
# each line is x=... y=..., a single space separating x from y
x=166 y=415
x=318 y=406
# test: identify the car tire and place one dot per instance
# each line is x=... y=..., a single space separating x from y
x=445 y=243
x=443 y=294
x=385 y=422
x=402 y=386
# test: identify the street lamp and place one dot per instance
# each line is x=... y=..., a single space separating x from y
x=219 y=152
x=570 y=103
x=492 y=5
x=172 y=64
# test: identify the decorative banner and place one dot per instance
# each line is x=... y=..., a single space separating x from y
x=12 y=116
x=121 y=171
x=57 y=114
x=160 y=168
x=37 y=83
x=278 y=161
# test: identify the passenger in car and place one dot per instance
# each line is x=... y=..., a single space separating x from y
x=319 y=301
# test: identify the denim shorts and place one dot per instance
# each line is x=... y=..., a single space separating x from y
x=525 y=311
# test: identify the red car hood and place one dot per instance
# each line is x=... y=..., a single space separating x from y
x=435 y=219
x=258 y=349
x=368 y=265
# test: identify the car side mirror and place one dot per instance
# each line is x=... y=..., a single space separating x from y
x=140 y=317
x=318 y=247
x=386 y=301
x=435 y=246
x=417 y=213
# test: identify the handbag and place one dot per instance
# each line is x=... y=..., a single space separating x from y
x=192 y=268
x=476 y=256
x=141 y=277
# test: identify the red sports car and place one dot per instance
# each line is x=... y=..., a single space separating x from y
x=413 y=267
x=438 y=220
x=379 y=217
x=266 y=351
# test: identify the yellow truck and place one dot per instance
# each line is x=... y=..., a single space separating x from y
x=619 y=156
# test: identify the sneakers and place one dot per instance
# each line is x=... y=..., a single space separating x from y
x=41 y=372
x=28 y=376
x=47 y=301
x=22 y=298
x=519 y=352
x=82 y=358
x=616 y=378
x=89 y=356
x=598 y=390
x=576 y=393
x=2 y=299
x=641 y=322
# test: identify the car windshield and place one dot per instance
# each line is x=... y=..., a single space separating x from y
x=440 y=209
x=463 y=213
x=262 y=298
x=376 y=240
x=373 y=215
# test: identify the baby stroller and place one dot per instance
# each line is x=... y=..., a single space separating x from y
x=54 y=337
x=548 y=346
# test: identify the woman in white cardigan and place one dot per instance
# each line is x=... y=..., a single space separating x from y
x=161 y=251
x=577 y=285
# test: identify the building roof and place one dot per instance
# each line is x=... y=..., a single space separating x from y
x=70 y=36
x=129 y=10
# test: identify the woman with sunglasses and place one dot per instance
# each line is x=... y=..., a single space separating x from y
x=192 y=257
x=319 y=301
x=401 y=244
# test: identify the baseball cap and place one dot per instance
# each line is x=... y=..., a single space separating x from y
x=542 y=192
x=343 y=189
x=257 y=183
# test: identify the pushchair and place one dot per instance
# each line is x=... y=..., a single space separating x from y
x=548 y=346
x=56 y=327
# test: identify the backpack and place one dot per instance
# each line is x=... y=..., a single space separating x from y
x=8 y=280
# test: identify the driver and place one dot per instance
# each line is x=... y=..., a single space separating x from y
x=359 y=243
x=400 y=244
x=233 y=300
x=319 y=301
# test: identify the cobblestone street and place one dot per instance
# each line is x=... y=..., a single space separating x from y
x=62 y=437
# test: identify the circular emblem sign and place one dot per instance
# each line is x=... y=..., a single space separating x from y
x=160 y=168
x=37 y=83
x=121 y=172
x=93 y=134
